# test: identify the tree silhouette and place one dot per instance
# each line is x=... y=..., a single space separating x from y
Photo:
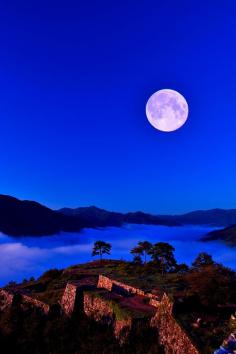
x=162 y=254
x=137 y=259
x=202 y=260
x=137 y=252
x=146 y=247
x=100 y=248
x=142 y=249
x=182 y=268
x=213 y=284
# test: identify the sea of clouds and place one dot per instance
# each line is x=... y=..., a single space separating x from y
x=23 y=257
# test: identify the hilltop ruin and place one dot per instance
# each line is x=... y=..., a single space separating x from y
x=116 y=304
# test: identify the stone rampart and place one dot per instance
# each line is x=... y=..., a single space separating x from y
x=34 y=303
x=114 y=285
x=101 y=311
x=69 y=297
x=171 y=335
x=6 y=299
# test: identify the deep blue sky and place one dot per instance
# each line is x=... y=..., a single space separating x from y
x=74 y=80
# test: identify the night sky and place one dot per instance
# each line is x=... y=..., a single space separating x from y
x=74 y=79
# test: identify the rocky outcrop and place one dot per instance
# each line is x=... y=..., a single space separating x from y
x=171 y=335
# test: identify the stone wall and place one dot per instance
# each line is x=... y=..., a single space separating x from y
x=98 y=309
x=101 y=311
x=6 y=299
x=110 y=284
x=172 y=336
x=72 y=298
x=105 y=282
x=69 y=297
x=34 y=303
x=122 y=329
x=154 y=302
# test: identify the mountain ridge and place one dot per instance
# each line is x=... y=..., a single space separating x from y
x=213 y=217
x=29 y=218
x=226 y=235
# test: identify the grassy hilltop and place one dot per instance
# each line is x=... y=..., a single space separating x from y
x=206 y=291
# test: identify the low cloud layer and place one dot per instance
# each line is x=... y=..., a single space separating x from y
x=30 y=256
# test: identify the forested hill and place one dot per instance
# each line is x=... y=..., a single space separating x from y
x=23 y=218
x=213 y=217
x=227 y=235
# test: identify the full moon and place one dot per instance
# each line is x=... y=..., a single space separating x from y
x=167 y=110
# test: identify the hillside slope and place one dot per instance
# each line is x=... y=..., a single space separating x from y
x=29 y=218
x=101 y=217
x=214 y=217
x=227 y=235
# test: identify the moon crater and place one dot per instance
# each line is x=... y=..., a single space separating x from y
x=167 y=110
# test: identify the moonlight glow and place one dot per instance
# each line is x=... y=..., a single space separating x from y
x=167 y=110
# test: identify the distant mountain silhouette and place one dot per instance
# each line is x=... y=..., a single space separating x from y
x=24 y=218
x=143 y=218
x=31 y=218
x=94 y=216
x=213 y=217
x=227 y=235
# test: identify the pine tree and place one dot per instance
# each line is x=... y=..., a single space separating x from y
x=100 y=248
